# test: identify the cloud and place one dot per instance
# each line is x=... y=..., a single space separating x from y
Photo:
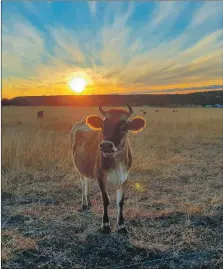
x=92 y=7
x=22 y=49
x=165 y=12
x=116 y=56
x=66 y=45
x=203 y=45
x=209 y=12
x=184 y=90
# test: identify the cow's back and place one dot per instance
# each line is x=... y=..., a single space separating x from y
x=85 y=148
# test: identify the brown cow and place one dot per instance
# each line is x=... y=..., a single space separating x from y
x=40 y=114
x=101 y=151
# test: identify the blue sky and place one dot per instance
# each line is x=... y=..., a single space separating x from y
x=117 y=47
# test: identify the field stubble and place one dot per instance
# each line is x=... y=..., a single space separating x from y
x=174 y=200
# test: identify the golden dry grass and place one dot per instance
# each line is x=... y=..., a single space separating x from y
x=174 y=204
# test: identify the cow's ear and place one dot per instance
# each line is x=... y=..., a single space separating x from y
x=136 y=125
x=94 y=122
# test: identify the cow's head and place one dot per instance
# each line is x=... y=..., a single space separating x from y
x=115 y=126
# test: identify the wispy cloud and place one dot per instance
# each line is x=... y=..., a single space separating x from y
x=209 y=12
x=120 y=54
x=23 y=47
x=66 y=45
x=93 y=6
x=165 y=14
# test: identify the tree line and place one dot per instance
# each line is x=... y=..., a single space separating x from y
x=158 y=100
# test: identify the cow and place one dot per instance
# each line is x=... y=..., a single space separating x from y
x=40 y=114
x=101 y=151
x=157 y=110
x=143 y=112
x=175 y=110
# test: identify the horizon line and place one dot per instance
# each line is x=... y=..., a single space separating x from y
x=116 y=94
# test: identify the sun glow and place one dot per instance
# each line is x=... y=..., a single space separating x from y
x=77 y=84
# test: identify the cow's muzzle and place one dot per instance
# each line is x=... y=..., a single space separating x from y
x=108 y=148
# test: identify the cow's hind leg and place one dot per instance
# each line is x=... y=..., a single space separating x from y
x=88 y=191
x=85 y=186
x=120 y=203
x=105 y=228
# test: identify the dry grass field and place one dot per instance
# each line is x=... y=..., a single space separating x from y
x=173 y=206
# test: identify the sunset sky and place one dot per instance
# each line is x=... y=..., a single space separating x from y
x=116 y=47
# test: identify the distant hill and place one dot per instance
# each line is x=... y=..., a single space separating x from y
x=162 y=100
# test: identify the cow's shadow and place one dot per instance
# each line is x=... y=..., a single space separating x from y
x=94 y=250
x=75 y=242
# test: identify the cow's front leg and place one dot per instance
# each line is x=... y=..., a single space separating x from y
x=120 y=203
x=105 y=228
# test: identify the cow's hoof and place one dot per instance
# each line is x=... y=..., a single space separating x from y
x=122 y=229
x=105 y=229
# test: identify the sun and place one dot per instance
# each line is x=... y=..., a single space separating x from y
x=77 y=84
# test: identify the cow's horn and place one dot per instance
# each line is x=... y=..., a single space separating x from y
x=103 y=112
x=130 y=110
